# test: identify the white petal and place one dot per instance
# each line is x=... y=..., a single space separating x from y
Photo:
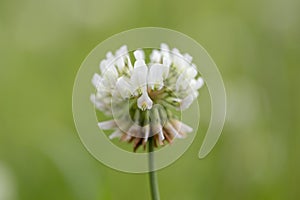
x=181 y=83
x=165 y=50
x=175 y=51
x=105 y=99
x=188 y=57
x=196 y=84
x=170 y=129
x=96 y=80
x=113 y=71
x=139 y=55
x=116 y=134
x=135 y=131
x=122 y=51
x=167 y=61
x=109 y=58
x=139 y=75
x=106 y=125
x=155 y=56
x=109 y=55
x=191 y=72
x=186 y=102
x=100 y=84
x=144 y=102
x=120 y=63
x=164 y=47
x=99 y=105
x=181 y=127
x=195 y=94
x=185 y=78
x=93 y=98
x=108 y=65
x=103 y=66
x=146 y=131
x=156 y=76
x=157 y=129
x=124 y=87
x=161 y=136
x=110 y=76
x=129 y=64
x=180 y=64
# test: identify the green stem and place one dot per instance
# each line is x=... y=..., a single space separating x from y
x=152 y=173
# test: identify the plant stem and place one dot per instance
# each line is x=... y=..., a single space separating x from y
x=152 y=173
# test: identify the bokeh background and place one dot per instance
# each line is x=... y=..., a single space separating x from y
x=256 y=45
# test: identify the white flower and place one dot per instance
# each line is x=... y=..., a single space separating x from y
x=149 y=90
x=156 y=76
x=116 y=134
x=184 y=79
x=196 y=84
x=170 y=129
x=124 y=87
x=155 y=56
x=146 y=132
x=106 y=125
x=181 y=127
x=139 y=55
x=98 y=104
x=186 y=102
x=167 y=63
x=139 y=76
x=144 y=102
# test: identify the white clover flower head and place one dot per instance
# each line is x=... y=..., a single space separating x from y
x=141 y=97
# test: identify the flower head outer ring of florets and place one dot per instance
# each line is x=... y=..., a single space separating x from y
x=147 y=112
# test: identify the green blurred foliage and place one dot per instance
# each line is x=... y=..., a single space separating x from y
x=254 y=43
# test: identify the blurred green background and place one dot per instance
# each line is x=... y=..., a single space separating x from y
x=256 y=45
